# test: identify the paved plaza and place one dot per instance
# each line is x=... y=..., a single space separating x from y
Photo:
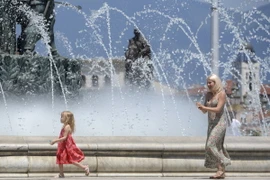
x=138 y=178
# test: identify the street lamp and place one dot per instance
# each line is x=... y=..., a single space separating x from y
x=215 y=37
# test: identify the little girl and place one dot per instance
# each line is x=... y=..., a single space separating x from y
x=67 y=151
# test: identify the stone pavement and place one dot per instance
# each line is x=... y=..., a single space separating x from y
x=137 y=178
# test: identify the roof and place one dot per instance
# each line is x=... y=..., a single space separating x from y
x=199 y=90
x=196 y=91
x=265 y=89
x=229 y=86
x=242 y=57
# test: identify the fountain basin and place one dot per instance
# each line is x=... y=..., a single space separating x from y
x=30 y=156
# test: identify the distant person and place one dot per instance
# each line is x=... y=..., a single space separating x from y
x=216 y=155
x=68 y=152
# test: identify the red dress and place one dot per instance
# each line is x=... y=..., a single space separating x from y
x=67 y=151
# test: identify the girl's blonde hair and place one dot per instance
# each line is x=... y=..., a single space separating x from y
x=218 y=84
x=69 y=119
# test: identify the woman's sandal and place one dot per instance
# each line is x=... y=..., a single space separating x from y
x=218 y=175
x=87 y=171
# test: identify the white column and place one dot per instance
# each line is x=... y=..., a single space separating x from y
x=215 y=37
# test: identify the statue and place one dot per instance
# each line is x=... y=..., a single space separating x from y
x=138 y=49
x=21 y=75
x=30 y=35
x=7 y=28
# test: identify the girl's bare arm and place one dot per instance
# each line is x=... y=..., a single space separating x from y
x=67 y=130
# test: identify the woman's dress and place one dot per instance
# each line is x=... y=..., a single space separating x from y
x=215 y=152
x=67 y=151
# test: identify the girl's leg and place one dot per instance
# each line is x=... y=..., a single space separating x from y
x=61 y=170
x=84 y=167
x=79 y=165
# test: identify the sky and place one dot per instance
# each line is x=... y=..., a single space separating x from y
x=237 y=4
x=242 y=5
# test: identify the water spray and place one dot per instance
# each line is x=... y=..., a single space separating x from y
x=68 y=5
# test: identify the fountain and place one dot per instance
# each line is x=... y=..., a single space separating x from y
x=128 y=129
x=166 y=108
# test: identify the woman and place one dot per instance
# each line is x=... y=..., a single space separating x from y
x=215 y=154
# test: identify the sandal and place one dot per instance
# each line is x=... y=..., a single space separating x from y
x=87 y=171
x=218 y=175
x=60 y=176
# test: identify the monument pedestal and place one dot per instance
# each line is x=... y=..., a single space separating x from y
x=33 y=75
